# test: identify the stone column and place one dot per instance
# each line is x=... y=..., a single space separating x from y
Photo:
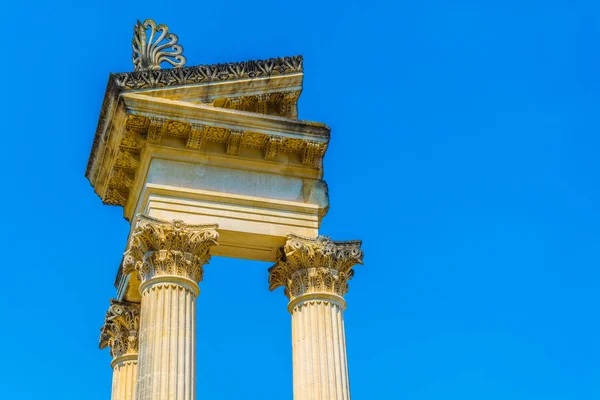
x=120 y=333
x=169 y=259
x=315 y=274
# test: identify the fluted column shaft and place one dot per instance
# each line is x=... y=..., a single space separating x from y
x=315 y=274
x=125 y=371
x=168 y=340
x=169 y=259
x=320 y=367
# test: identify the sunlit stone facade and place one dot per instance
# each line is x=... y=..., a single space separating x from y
x=209 y=161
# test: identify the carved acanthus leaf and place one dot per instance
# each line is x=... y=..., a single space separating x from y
x=307 y=265
x=169 y=248
x=120 y=330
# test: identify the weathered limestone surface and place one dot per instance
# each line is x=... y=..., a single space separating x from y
x=169 y=259
x=189 y=150
x=319 y=350
x=315 y=274
x=168 y=345
x=214 y=144
x=124 y=378
x=120 y=333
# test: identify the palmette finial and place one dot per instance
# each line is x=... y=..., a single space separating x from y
x=152 y=45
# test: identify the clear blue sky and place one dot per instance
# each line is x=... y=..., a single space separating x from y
x=464 y=154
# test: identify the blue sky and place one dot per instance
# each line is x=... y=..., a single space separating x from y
x=463 y=154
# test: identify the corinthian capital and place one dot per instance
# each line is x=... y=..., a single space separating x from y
x=120 y=330
x=169 y=248
x=317 y=265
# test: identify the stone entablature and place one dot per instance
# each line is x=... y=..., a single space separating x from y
x=201 y=84
x=140 y=130
x=235 y=116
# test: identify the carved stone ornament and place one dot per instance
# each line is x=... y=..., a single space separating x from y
x=120 y=330
x=152 y=45
x=172 y=77
x=141 y=130
x=169 y=248
x=317 y=265
x=155 y=77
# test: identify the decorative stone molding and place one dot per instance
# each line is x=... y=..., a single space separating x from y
x=283 y=104
x=312 y=152
x=289 y=105
x=317 y=265
x=120 y=330
x=160 y=248
x=208 y=73
x=174 y=77
x=234 y=142
x=195 y=136
x=155 y=130
x=272 y=147
x=140 y=130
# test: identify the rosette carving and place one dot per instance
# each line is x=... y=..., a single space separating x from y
x=317 y=265
x=120 y=330
x=169 y=248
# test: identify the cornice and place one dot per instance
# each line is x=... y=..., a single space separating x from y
x=141 y=104
x=135 y=116
x=176 y=77
x=208 y=73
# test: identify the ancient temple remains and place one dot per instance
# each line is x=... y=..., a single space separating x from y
x=209 y=161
